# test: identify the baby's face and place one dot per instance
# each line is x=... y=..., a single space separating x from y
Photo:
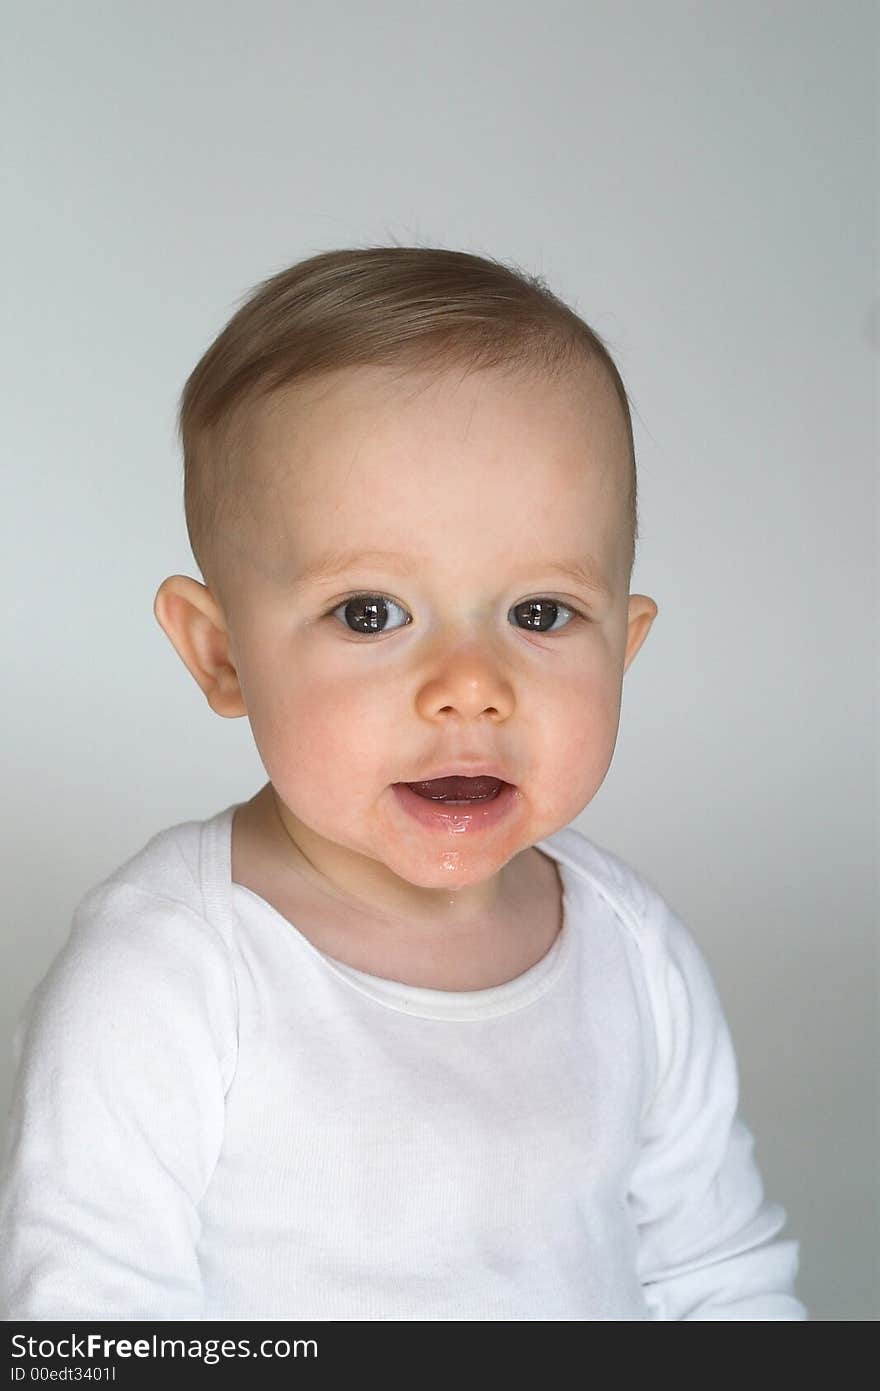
x=463 y=642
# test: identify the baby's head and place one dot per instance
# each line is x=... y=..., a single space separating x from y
x=410 y=488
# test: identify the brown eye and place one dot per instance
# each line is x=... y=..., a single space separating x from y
x=540 y=614
x=366 y=613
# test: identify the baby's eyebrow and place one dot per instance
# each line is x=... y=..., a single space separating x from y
x=583 y=572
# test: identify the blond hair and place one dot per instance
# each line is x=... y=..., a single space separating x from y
x=419 y=307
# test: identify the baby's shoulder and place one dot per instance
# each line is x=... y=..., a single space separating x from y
x=641 y=911
x=150 y=910
x=142 y=966
x=673 y=964
x=630 y=895
x=166 y=865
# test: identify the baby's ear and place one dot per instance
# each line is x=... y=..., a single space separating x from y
x=193 y=621
x=642 y=612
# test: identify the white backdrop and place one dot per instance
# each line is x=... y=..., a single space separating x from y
x=698 y=180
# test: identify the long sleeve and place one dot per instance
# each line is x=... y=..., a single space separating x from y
x=708 y=1238
x=123 y=1055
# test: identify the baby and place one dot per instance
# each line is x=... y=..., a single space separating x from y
x=392 y=1040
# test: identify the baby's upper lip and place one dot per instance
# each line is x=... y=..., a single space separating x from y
x=464 y=770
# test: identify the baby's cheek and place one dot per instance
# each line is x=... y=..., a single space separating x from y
x=576 y=740
x=329 y=737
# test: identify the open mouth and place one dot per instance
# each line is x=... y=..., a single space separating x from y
x=458 y=806
x=458 y=791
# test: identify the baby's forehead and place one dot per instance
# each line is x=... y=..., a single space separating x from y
x=473 y=549
x=363 y=452
x=371 y=409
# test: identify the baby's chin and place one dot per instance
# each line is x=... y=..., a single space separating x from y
x=429 y=845
x=446 y=846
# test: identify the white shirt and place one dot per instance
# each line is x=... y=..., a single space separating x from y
x=214 y=1120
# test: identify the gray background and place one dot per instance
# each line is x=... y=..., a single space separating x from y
x=698 y=180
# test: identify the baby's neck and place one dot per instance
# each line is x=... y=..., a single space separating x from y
x=442 y=952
